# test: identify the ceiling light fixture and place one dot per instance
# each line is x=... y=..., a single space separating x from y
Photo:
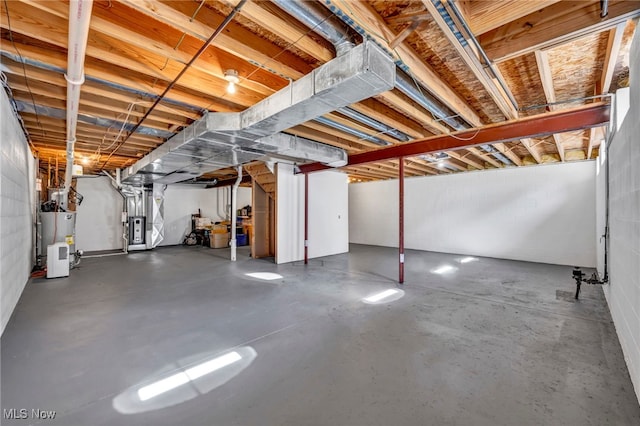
x=232 y=77
x=85 y=160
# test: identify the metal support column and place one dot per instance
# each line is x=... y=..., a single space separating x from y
x=306 y=218
x=401 y=220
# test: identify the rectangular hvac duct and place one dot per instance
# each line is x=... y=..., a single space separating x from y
x=220 y=140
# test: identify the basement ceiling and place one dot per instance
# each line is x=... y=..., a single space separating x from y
x=543 y=51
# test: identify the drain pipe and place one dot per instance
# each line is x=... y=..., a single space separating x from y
x=79 y=20
x=234 y=214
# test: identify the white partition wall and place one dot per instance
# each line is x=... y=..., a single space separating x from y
x=99 y=216
x=289 y=214
x=328 y=214
x=17 y=206
x=539 y=214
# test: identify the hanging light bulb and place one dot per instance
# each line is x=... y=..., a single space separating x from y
x=85 y=160
x=232 y=77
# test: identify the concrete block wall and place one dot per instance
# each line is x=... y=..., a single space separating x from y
x=537 y=214
x=623 y=290
x=17 y=198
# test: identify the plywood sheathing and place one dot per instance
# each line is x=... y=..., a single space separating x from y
x=432 y=47
x=522 y=76
x=577 y=66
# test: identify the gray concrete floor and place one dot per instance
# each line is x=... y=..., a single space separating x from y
x=496 y=342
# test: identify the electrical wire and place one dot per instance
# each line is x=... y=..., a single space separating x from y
x=272 y=58
x=200 y=51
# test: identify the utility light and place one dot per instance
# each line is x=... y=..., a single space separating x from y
x=232 y=77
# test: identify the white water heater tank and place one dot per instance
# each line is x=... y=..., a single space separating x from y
x=57 y=260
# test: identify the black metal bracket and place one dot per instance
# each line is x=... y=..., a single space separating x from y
x=579 y=276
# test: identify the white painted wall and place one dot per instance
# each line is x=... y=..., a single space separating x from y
x=289 y=215
x=17 y=205
x=623 y=290
x=328 y=214
x=181 y=201
x=540 y=214
x=98 y=218
x=601 y=200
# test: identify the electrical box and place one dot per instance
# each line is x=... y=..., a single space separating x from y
x=57 y=260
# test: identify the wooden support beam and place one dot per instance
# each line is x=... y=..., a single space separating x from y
x=252 y=48
x=53 y=30
x=15 y=71
x=529 y=144
x=284 y=28
x=483 y=16
x=497 y=94
x=595 y=135
x=508 y=153
x=362 y=128
x=119 y=75
x=402 y=35
x=379 y=111
x=614 y=42
x=554 y=25
x=363 y=15
x=566 y=120
x=209 y=63
x=406 y=107
x=485 y=156
x=465 y=159
x=546 y=77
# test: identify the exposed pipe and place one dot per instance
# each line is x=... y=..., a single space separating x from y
x=234 y=214
x=352 y=131
x=400 y=221
x=334 y=32
x=604 y=8
x=355 y=115
x=28 y=107
x=200 y=51
x=476 y=43
x=141 y=93
x=79 y=21
x=306 y=218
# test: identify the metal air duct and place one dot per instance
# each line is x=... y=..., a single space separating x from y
x=220 y=140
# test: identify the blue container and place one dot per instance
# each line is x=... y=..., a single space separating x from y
x=241 y=239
